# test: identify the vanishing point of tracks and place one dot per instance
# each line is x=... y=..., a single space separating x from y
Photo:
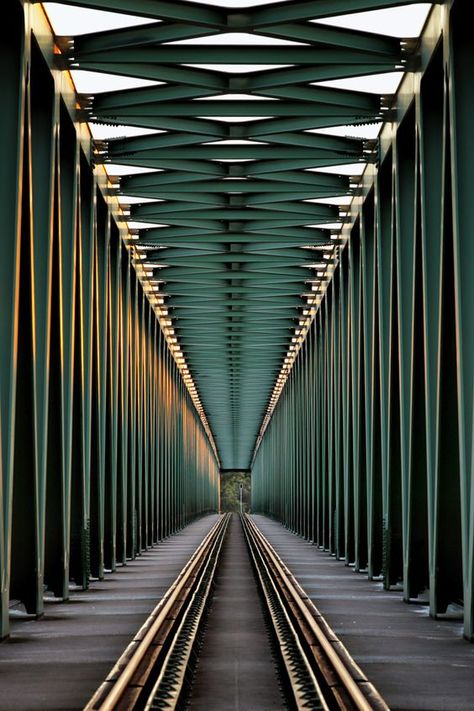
x=158 y=669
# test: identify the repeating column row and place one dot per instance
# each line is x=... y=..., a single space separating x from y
x=102 y=451
x=370 y=451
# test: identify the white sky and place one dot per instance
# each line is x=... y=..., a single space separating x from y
x=103 y=132
x=235 y=97
x=338 y=200
x=386 y=83
x=97 y=82
x=345 y=169
x=120 y=169
x=398 y=21
x=406 y=21
x=366 y=130
x=133 y=200
x=238 y=38
x=70 y=20
x=135 y=225
x=238 y=68
x=327 y=225
x=240 y=3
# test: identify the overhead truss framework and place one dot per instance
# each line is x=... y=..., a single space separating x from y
x=236 y=180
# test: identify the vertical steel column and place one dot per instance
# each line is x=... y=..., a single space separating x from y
x=330 y=538
x=132 y=480
x=81 y=402
x=459 y=53
x=392 y=352
x=356 y=358
x=44 y=116
x=371 y=388
x=100 y=382
x=124 y=514
x=25 y=580
x=82 y=395
x=13 y=63
x=339 y=534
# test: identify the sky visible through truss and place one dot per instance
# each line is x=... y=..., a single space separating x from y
x=226 y=259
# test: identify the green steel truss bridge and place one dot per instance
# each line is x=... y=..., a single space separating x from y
x=253 y=288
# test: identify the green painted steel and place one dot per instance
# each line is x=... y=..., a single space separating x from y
x=230 y=195
x=368 y=453
x=384 y=382
x=102 y=451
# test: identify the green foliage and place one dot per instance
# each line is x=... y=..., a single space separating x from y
x=230 y=484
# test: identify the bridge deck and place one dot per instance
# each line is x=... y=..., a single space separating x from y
x=58 y=661
x=416 y=662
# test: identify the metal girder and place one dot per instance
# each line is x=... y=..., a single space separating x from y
x=213 y=107
x=314 y=155
x=228 y=54
x=235 y=197
x=314 y=9
x=88 y=386
x=333 y=36
x=362 y=456
x=151 y=144
x=233 y=212
x=177 y=10
x=143 y=36
x=274 y=182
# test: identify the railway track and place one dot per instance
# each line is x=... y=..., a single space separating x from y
x=320 y=672
x=156 y=670
x=151 y=673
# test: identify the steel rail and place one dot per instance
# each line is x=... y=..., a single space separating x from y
x=168 y=689
x=305 y=689
x=309 y=620
x=109 y=695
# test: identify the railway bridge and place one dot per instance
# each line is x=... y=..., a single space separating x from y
x=237 y=236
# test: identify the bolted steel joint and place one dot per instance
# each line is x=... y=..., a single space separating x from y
x=238 y=20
